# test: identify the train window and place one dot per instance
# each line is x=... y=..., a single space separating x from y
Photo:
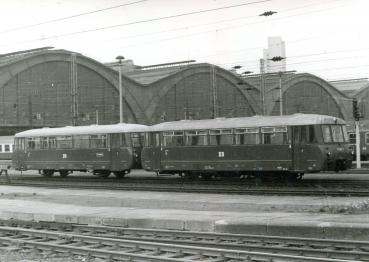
x=52 y=142
x=124 y=140
x=274 y=135
x=31 y=144
x=196 y=138
x=367 y=138
x=345 y=135
x=155 y=139
x=148 y=139
x=337 y=133
x=303 y=134
x=98 y=141
x=326 y=133
x=173 y=138
x=6 y=148
x=12 y=148
x=64 y=142
x=81 y=141
x=135 y=139
x=352 y=138
x=247 y=136
x=23 y=143
x=37 y=142
x=312 y=136
x=44 y=142
x=221 y=137
x=1 y=148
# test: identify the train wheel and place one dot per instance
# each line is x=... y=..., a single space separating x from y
x=120 y=174
x=47 y=172
x=64 y=173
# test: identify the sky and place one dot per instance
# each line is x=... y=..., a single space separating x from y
x=328 y=38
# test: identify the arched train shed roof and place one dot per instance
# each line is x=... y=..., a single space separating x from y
x=12 y=65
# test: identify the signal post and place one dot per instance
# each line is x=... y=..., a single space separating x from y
x=356 y=114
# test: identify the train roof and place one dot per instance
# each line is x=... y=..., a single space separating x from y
x=83 y=130
x=254 y=121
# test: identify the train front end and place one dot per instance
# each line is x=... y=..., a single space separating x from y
x=336 y=151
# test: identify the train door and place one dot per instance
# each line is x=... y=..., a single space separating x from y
x=156 y=150
x=298 y=147
x=116 y=152
x=19 y=156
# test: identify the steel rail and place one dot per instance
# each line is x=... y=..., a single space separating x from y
x=325 y=248
x=119 y=249
x=193 y=188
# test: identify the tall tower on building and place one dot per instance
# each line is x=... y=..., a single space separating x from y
x=276 y=47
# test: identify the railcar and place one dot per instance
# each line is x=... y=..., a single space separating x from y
x=6 y=147
x=261 y=146
x=364 y=138
x=100 y=149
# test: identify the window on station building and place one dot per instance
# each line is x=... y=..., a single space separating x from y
x=247 y=136
x=327 y=137
x=196 y=138
x=274 y=135
x=173 y=138
x=221 y=137
x=98 y=141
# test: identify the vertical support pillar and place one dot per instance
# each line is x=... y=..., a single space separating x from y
x=280 y=95
x=214 y=90
x=74 y=88
x=358 y=155
x=262 y=87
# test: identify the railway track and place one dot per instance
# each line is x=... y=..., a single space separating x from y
x=134 y=244
x=172 y=184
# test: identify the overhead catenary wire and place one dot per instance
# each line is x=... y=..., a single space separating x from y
x=69 y=17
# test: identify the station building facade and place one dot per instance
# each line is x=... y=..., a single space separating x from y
x=48 y=87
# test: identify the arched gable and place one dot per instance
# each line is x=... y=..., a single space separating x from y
x=16 y=66
x=328 y=96
x=204 y=73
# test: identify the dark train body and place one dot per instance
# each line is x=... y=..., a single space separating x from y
x=101 y=149
x=259 y=145
x=6 y=147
